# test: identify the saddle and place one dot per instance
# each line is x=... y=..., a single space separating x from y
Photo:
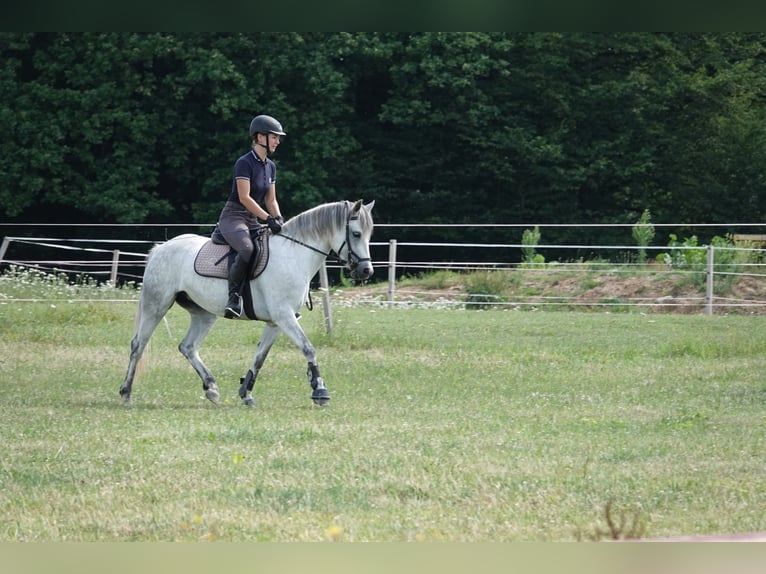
x=215 y=256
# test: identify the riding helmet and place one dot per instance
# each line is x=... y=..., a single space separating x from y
x=265 y=125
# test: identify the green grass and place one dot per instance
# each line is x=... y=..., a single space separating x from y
x=443 y=425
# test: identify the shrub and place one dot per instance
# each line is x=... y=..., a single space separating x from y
x=440 y=279
x=643 y=233
x=486 y=288
x=530 y=239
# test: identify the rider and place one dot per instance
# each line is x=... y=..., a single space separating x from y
x=253 y=185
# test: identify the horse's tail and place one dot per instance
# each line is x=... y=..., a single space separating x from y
x=141 y=363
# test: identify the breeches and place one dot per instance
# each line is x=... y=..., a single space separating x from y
x=235 y=229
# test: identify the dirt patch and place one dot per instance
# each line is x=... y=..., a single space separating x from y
x=659 y=291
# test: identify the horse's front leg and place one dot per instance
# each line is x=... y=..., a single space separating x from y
x=320 y=395
x=268 y=337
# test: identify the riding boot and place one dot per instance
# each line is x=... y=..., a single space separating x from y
x=237 y=272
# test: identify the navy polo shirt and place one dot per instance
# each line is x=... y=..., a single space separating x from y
x=261 y=175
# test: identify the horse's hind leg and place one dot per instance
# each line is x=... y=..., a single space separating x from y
x=148 y=317
x=268 y=337
x=201 y=324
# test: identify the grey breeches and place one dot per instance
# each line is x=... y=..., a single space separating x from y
x=234 y=225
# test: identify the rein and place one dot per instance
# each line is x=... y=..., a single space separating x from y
x=299 y=242
x=354 y=259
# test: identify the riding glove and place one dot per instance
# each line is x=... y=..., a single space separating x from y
x=275 y=224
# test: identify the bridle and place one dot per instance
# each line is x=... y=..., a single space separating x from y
x=353 y=258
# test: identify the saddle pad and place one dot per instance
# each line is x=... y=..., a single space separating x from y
x=212 y=259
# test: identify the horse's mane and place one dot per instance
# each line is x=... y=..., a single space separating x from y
x=323 y=219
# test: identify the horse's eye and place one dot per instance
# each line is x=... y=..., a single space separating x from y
x=357 y=234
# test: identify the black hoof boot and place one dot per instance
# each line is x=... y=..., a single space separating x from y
x=246 y=385
x=320 y=395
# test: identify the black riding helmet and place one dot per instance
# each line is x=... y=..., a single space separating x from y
x=265 y=125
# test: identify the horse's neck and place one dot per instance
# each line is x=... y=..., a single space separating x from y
x=313 y=234
x=312 y=241
x=306 y=254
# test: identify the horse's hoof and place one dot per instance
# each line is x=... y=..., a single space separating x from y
x=248 y=401
x=126 y=400
x=320 y=397
x=212 y=396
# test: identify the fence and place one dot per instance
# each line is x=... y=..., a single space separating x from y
x=108 y=259
x=700 y=264
x=97 y=268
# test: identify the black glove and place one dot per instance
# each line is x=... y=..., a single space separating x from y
x=275 y=224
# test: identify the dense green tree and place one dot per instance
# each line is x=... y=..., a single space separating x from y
x=81 y=133
x=713 y=132
x=437 y=127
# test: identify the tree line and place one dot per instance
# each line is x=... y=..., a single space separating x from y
x=436 y=127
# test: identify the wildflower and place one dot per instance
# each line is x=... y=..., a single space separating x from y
x=334 y=533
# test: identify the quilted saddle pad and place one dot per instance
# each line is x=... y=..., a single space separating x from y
x=212 y=259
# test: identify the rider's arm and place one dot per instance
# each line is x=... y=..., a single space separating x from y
x=272 y=205
x=243 y=191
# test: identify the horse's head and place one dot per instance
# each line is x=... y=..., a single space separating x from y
x=342 y=227
x=354 y=252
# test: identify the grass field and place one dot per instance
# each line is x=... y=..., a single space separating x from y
x=443 y=425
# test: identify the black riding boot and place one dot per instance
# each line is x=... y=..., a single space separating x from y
x=237 y=273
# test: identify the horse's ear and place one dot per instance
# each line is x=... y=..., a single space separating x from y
x=357 y=206
x=369 y=206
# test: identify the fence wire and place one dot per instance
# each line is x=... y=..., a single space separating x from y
x=129 y=265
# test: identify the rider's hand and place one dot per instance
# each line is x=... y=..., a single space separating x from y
x=275 y=224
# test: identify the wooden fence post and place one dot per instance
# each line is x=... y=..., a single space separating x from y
x=709 y=280
x=324 y=284
x=4 y=247
x=391 y=272
x=115 y=266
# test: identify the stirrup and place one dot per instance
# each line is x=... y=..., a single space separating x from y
x=233 y=311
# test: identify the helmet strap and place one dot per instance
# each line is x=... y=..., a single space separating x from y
x=266 y=147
